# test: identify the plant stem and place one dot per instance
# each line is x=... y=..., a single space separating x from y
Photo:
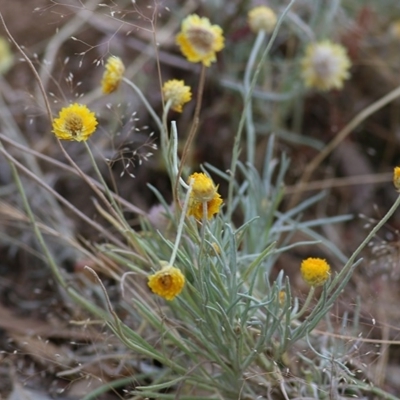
x=193 y=129
x=149 y=108
x=306 y=303
x=251 y=135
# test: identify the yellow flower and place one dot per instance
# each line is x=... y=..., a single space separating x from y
x=262 y=18
x=212 y=206
x=177 y=93
x=112 y=75
x=396 y=178
x=315 y=271
x=75 y=122
x=199 y=40
x=6 y=57
x=203 y=188
x=167 y=283
x=325 y=65
x=204 y=192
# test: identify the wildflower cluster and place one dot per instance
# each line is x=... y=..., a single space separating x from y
x=219 y=266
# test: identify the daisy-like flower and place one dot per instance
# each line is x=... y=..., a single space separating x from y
x=325 y=65
x=261 y=18
x=204 y=194
x=112 y=75
x=176 y=92
x=396 y=178
x=167 y=283
x=199 y=40
x=75 y=122
x=315 y=271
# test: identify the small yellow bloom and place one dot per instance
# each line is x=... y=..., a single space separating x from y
x=262 y=18
x=203 y=188
x=6 y=57
x=167 y=283
x=315 y=271
x=75 y=122
x=325 y=65
x=112 y=75
x=199 y=40
x=396 y=178
x=204 y=194
x=176 y=92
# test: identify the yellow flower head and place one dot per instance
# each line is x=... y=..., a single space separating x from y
x=199 y=40
x=315 y=271
x=75 y=122
x=177 y=93
x=396 y=178
x=167 y=283
x=204 y=192
x=325 y=65
x=112 y=75
x=203 y=188
x=262 y=18
x=6 y=57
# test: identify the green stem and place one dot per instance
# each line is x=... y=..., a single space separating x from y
x=360 y=385
x=306 y=303
x=238 y=136
x=181 y=225
x=114 y=385
x=251 y=134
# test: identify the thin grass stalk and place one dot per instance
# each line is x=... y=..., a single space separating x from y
x=193 y=129
x=238 y=135
x=60 y=198
x=50 y=259
x=356 y=121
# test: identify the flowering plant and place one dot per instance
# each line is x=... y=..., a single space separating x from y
x=198 y=294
